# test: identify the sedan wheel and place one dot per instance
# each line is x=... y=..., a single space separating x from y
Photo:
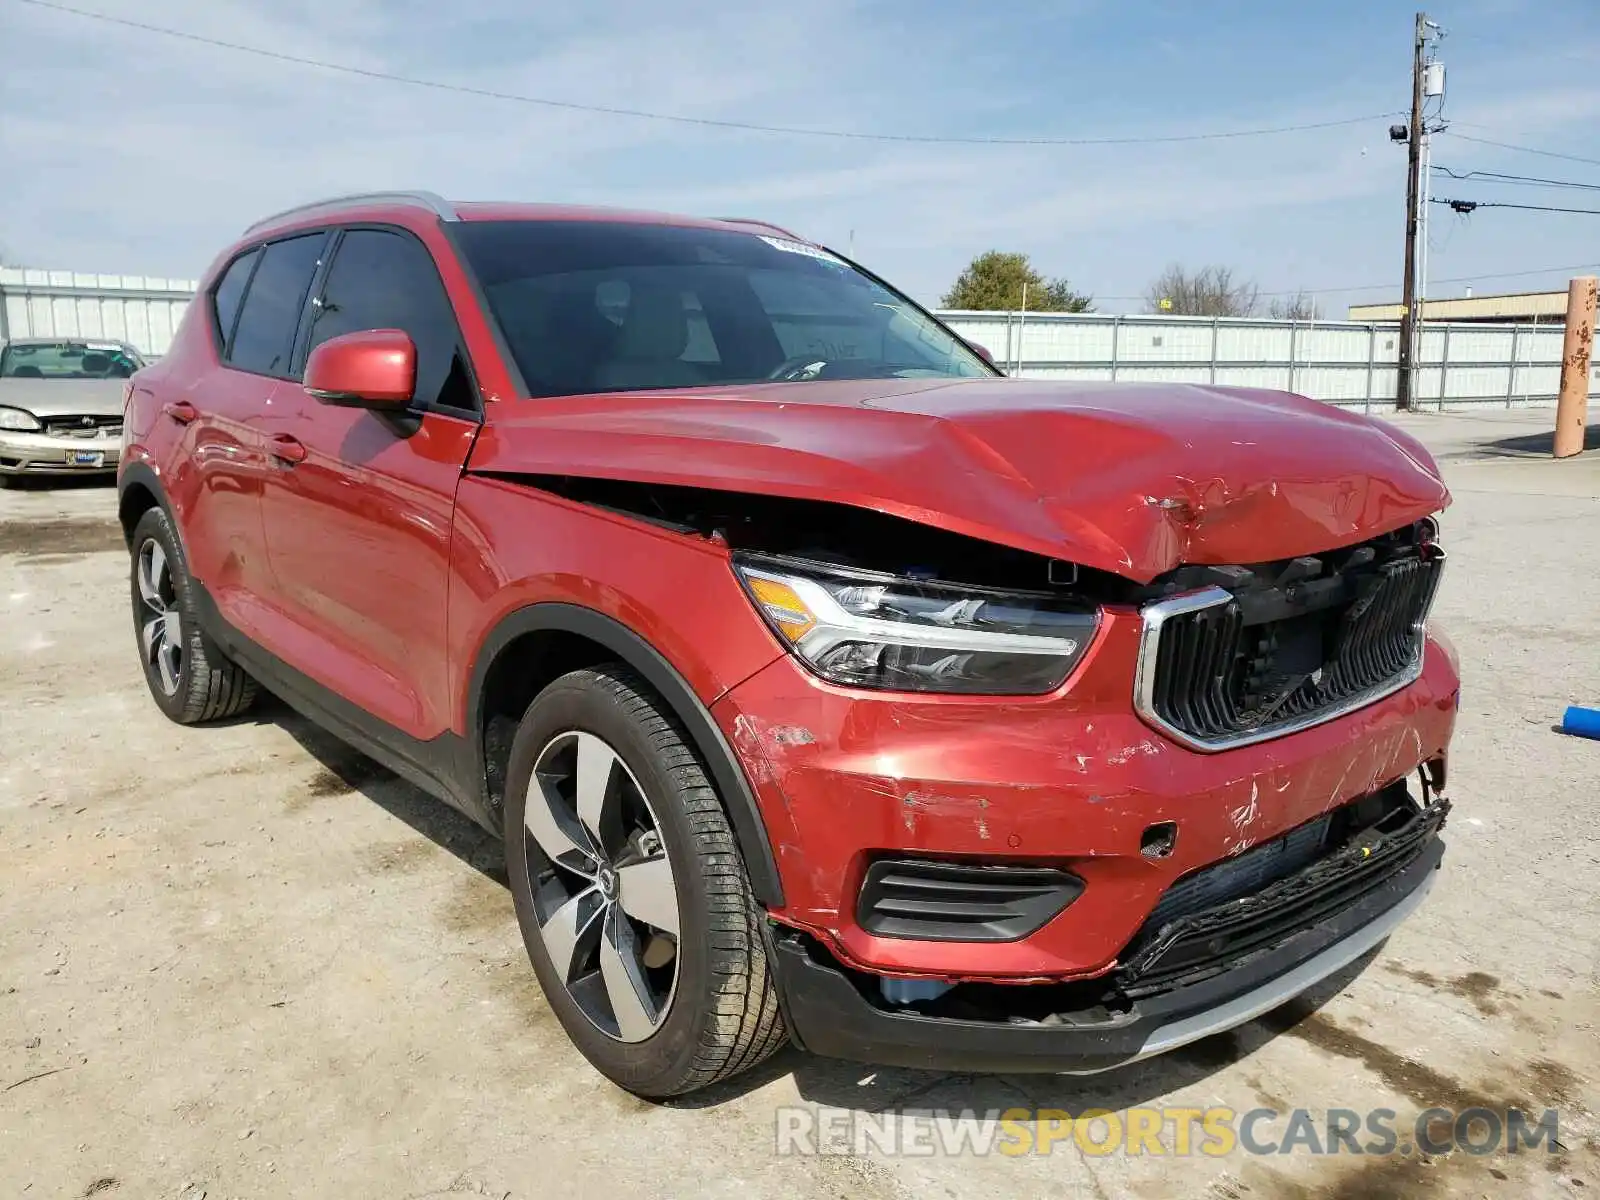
x=604 y=894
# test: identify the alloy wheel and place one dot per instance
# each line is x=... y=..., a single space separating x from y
x=602 y=884
x=160 y=626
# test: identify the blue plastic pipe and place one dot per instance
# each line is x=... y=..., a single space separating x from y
x=1582 y=722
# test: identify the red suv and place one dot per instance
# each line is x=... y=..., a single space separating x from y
x=826 y=685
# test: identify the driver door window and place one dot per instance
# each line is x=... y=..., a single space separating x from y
x=385 y=280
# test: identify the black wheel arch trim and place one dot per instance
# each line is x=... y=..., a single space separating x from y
x=144 y=475
x=707 y=737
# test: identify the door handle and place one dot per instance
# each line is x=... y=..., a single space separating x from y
x=180 y=411
x=287 y=449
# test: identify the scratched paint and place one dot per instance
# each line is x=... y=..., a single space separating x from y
x=1242 y=819
x=791 y=735
x=1147 y=748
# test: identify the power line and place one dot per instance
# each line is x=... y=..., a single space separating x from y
x=1467 y=137
x=1469 y=206
x=1523 y=180
x=680 y=119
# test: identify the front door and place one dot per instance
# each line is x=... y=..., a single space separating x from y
x=357 y=509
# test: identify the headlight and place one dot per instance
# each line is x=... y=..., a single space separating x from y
x=16 y=418
x=864 y=629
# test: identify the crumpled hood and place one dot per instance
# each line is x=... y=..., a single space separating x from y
x=64 y=397
x=1130 y=478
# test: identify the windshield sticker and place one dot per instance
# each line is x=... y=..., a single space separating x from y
x=792 y=247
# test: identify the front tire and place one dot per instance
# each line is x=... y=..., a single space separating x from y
x=190 y=679
x=630 y=890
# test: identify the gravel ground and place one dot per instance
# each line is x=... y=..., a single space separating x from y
x=243 y=961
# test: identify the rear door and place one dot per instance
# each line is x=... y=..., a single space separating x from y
x=217 y=465
x=357 y=509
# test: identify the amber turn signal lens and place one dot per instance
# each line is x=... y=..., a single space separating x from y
x=785 y=608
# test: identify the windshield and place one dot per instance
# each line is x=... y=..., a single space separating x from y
x=602 y=306
x=68 y=360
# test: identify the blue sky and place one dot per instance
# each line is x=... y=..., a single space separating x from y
x=128 y=152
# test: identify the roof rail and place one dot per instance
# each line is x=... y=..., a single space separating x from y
x=435 y=204
x=763 y=224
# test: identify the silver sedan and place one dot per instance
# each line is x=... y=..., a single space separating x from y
x=61 y=405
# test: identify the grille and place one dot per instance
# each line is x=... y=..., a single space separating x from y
x=1220 y=669
x=938 y=901
x=1211 y=921
x=84 y=426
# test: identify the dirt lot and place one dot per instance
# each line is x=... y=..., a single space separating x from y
x=246 y=962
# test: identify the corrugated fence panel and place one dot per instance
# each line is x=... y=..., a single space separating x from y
x=1251 y=341
x=1168 y=340
x=1139 y=373
x=138 y=323
x=1253 y=377
x=1337 y=362
x=1061 y=342
x=143 y=310
x=1480 y=345
x=1319 y=343
x=1337 y=385
x=1477 y=383
x=1081 y=374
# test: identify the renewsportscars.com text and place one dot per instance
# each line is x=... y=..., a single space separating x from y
x=1169 y=1132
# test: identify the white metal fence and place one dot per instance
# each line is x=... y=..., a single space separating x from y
x=137 y=309
x=1335 y=361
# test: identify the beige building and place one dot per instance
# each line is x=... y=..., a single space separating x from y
x=1541 y=308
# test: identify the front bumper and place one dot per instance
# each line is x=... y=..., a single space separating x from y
x=1071 y=782
x=834 y=1015
x=54 y=454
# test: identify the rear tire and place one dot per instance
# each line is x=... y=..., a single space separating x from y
x=189 y=677
x=693 y=1005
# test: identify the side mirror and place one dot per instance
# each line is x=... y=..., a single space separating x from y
x=981 y=351
x=375 y=368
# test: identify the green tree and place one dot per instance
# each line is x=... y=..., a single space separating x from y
x=993 y=282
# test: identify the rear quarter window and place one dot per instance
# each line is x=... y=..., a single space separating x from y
x=229 y=292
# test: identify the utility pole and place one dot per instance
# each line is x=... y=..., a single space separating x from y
x=1408 y=325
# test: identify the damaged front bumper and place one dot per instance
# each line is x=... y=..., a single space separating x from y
x=1201 y=973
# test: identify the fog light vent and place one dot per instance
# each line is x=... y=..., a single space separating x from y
x=958 y=902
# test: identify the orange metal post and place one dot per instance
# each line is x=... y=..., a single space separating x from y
x=1572 y=408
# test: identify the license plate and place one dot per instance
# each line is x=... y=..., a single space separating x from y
x=86 y=458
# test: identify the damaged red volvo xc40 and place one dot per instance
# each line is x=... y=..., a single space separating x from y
x=825 y=684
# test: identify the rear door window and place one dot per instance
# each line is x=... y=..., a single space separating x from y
x=264 y=339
